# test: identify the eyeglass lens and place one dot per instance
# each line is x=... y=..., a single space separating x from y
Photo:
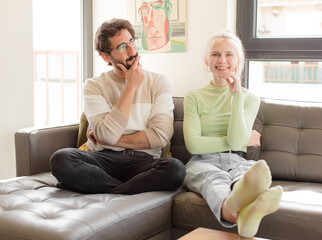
x=123 y=47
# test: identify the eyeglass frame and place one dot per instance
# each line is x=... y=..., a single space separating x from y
x=132 y=43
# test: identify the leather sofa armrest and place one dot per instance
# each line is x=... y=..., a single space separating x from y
x=34 y=146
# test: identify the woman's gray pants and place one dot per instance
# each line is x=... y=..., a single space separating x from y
x=212 y=176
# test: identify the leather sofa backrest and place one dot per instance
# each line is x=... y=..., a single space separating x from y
x=291 y=141
x=178 y=147
x=34 y=147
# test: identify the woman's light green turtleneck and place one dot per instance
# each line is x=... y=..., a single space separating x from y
x=216 y=120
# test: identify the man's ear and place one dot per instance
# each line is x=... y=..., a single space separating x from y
x=106 y=57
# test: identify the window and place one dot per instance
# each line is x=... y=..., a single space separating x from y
x=283 y=47
x=58 y=31
x=293 y=18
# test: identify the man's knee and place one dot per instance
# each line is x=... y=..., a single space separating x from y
x=177 y=172
x=59 y=160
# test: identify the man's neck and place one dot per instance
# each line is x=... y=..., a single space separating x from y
x=118 y=73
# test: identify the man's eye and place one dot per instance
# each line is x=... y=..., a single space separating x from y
x=121 y=47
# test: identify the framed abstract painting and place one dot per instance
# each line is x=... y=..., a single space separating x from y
x=160 y=26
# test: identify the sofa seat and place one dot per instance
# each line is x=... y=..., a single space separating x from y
x=33 y=208
x=300 y=212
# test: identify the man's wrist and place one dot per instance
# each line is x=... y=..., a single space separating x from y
x=129 y=90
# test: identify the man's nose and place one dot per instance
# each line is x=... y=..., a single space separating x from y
x=131 y=49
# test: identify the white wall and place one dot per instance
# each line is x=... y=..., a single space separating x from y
x=16 y=68
x=185 y=71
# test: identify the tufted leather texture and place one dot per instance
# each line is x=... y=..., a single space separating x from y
x=32 y=208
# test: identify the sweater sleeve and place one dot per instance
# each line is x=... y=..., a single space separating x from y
x=107 y=123
x=195 y=142
x=160 y=125
x=243 y=114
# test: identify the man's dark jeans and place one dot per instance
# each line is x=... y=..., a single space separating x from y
x=108 y=171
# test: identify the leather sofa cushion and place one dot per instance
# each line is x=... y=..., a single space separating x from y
x=33 y=208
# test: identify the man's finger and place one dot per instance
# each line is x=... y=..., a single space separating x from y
x=93 y=139
x=122 y=67
x=136 y=61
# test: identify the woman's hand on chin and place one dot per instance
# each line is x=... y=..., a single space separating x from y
x=233 y=82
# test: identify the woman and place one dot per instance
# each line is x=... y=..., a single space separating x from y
x=218 y=122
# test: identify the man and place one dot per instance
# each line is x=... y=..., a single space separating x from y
x=130 y=114
x=156 y=26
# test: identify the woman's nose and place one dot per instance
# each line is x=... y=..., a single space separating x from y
x=222 y=58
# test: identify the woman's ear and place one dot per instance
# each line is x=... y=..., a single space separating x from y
x=207 y=66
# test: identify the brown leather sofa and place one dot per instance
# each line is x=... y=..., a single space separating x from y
x=32 y=208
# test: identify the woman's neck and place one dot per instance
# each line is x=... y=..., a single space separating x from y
x=219 y=82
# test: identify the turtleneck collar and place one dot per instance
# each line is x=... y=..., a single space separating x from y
x=218 y=89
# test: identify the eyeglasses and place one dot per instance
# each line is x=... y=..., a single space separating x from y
x=123 y=47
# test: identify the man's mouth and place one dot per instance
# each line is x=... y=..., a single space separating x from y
x=130 y=59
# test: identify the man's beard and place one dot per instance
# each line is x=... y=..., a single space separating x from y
x=126 y=64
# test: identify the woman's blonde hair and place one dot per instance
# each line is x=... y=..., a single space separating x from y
x=234 y=41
